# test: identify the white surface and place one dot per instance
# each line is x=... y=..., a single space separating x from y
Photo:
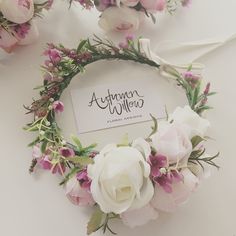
x=36 y=205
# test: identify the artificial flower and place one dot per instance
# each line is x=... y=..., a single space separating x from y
x=17 y=11
x=31 y=36
x=181 y=191
x=77 y=194
x=172 y=141
x=120 y=19
x=120 y=179
x=139 y=216
x=58 y=106
x=153 y=5
x=191 y=121
x=7 y=40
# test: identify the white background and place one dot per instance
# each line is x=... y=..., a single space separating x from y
x=36 y=205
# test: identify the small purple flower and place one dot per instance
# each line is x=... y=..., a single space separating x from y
x=157 y=162
x=53 y=55
x=83 y=179
x=191 y=78
x=58 y=106
x=67 y=152
x=129 y=37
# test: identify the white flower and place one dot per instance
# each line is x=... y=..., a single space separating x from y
x=17 y=11
x=140 y=216
x=120 y=19
x=194 y=124
x=120 y=178
x=172 y=141
x=181 y=191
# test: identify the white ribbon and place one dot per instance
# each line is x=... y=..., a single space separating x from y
x=145 y=47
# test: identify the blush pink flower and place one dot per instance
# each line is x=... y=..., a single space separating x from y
x=78 y=195
x=58 y=106
x=153 y=5
x=186 y=3
x=53 y=55
x=84 y=180
x=7 y=40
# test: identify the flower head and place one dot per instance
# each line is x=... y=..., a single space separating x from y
x=58 y=106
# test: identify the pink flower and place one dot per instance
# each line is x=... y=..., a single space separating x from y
x=153 y=5
x=157 y=162
x=78 y=195
x=186 y=3
x=7 y=40
x=21 y=30
x=83 y=178
x=58 y=106
x=53 y=55
x=67 y=152
x=181 y=191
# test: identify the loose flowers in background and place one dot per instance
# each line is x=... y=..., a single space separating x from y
x=126 y=15
x=132 y=180
x=16 y=21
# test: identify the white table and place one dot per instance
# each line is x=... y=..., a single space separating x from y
x=36 y=205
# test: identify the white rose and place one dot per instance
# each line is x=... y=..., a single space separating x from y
x=172 y=141
x=194 y=124
x=17 y=11
x=120 y=178
x=181 y=191
x=120 y=19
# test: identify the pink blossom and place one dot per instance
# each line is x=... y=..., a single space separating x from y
x=53 y=55
x=83 y=178
x=67 y=152
x=153 y=5
x=186 y=3
x=58 y=106
x=78 y=195
x=7 y=40
x=21 y=30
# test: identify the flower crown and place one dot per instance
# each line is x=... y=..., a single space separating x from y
x=16 y=24
x=131 y=180
x=126 y=15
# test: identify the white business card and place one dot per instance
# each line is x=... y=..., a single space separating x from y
x=112 y=105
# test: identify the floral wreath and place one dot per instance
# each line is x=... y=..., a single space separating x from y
x=131 y=180
x=126 y=15
x=16 y=24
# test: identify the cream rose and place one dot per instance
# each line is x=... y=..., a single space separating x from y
x=120 y=19
x=193 y=123
x=17 y=11
x=120 y=178
x=172 y=141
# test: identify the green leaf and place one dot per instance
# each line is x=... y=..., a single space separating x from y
x=95 y=221
x=44 y=146
x=83 y=161
x=81 y=45
x=155 y=127
x=196 y=140
x=72 y=173
x=76 y=141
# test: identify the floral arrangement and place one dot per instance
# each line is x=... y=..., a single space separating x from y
x=16 y=24
x=132 y=180
x=126 y=15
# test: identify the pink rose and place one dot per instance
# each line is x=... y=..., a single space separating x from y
x=78 y=195
x=17 y=11
x=181 y=191
x=153 y=5
x=120 y=19
x=7 y=40
x=129 y=3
